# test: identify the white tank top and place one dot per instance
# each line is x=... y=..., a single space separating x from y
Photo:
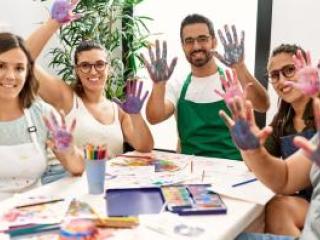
x=89 y=130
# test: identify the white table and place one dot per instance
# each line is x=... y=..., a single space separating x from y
x=240 y=214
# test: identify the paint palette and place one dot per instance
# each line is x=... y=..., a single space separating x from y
x=176 y=198
x=181 y=199
x=193 y=199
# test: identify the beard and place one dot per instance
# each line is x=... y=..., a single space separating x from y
x=199 y=61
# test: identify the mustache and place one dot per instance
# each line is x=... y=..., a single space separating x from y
x=210 y=53
x=198 y=51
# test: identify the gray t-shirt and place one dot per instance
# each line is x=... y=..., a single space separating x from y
x=15 y=132
x=311 y=229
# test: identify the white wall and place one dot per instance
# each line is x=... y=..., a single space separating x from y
x=25 y=15
x=22 y=17
x=168 y=14
x=295 y=21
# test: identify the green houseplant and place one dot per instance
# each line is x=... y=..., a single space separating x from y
x=111 y=23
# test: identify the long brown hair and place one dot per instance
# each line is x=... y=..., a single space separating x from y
x=29 y=91
x=85 y=45
x=285 y=111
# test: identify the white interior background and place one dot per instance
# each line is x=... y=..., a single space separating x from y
x=168 y=14
x=293 y=21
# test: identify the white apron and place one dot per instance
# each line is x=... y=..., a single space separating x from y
x=22 y=165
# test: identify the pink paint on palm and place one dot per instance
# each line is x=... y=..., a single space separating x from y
x=62 y=137
x=308 y=76
x=231 y=87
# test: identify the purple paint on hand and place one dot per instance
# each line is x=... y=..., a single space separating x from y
x=61 y=137
x=133 y=102
x=243 y=137
x=61 y=11
x=233 y=50
x=158 y=68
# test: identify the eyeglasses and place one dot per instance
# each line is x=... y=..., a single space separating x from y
x=86 y=67
x=287 y=71
x=201 y=39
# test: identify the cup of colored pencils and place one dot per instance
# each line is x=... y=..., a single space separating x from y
x=95 y=163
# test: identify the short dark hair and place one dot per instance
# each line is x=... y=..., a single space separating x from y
x=288 y=48
x=196 y=18
x=85 y=45
x=9 y=41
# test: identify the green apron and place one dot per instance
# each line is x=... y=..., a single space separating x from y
x=201 y=130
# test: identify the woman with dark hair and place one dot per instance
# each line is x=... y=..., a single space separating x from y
x=23 y=131
x=286 y=214
x=99 y=120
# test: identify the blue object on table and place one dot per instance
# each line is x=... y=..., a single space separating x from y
x=95 y=175
x=133 y=201
x=54 y=173
x=244 y=182
x=136 y=201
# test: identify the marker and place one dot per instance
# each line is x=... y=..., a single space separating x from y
x=202 y=177
x=244 y=182
x=32 y=229
x=40 y=203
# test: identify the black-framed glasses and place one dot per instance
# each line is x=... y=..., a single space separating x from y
x=287 y=71
x=85 y=67
x=201 y=39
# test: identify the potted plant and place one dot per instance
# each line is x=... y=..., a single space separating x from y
x=112 y=24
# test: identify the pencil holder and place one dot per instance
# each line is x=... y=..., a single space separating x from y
x=95 y=170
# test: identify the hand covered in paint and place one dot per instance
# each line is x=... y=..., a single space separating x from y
x=244 y=131
x=312 y=152
x=231 y=87
x=133 y=102
x=233 y=50
x=61 y=136
x=61 y=11
x=308 y=76
x=158 y=67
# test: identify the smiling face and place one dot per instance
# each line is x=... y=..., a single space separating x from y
x=280 y=69
x=92 y=60
x=197 y=44
x=13 y=73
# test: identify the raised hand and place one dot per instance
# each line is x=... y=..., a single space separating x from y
x=61 y=11
x=133 y=102
x=233 y=50
x=231 y=87
x=308 y=76
x=312 y=152
x=243 y=129
x=61 y=136
x=158 y=68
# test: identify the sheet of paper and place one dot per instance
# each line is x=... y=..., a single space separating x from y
x=223 y=174
x=39 y=214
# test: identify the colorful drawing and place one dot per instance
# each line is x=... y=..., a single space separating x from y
x=165 y=165
x=160 y=165
x=35 y=211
